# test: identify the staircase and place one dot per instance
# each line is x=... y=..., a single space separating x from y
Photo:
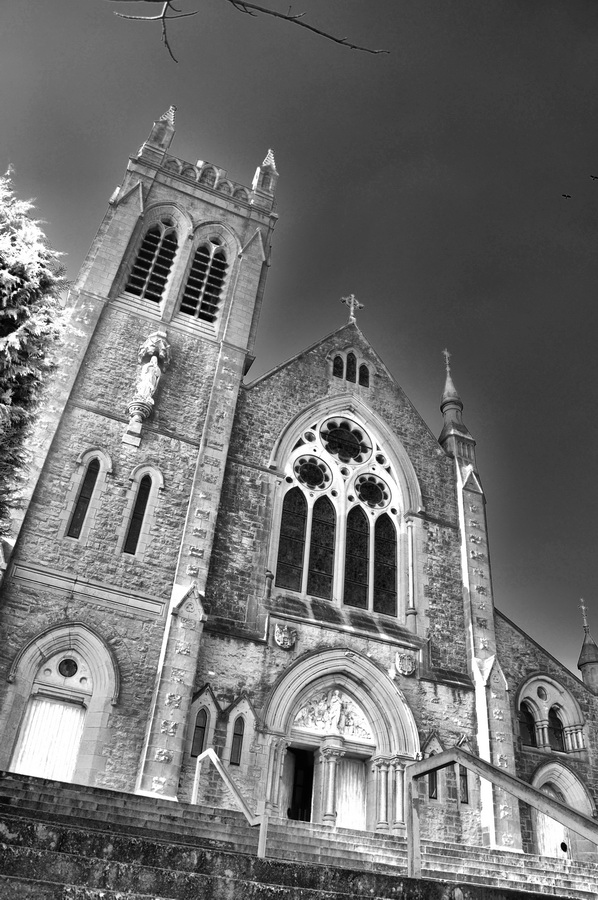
x=69 y=842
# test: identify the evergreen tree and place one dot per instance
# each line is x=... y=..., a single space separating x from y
x=30 y=314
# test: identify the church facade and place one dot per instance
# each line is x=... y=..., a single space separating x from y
x=292 y=571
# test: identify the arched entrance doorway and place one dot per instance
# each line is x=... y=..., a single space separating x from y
x=551 y=838
x=342 y=733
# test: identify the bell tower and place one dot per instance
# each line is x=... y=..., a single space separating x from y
x=130 y=451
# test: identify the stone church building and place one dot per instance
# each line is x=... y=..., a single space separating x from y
x=245 y=601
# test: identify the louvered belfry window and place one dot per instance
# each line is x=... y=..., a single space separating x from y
x=154 y=261
x=203 y=291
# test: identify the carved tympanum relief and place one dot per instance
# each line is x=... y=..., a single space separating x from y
x=333 y=712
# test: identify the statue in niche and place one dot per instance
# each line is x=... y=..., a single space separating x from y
x=148 y=380
x=334 y=713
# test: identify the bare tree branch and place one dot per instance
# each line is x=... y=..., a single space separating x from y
x=251 y=9
x=160 y=17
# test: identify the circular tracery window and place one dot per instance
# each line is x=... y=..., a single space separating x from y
x=312 y=472
x=373 y=491
x=346 y=440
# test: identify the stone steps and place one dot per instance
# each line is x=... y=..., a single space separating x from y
x=147 y=847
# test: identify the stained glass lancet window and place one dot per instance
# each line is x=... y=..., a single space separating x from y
x=364 y=376
x=385 y=567
x=338 y=367
x=357 y=559
x=321 y=549
x=291 y=547
x=199 y=733
x=351 y=367
x=237 y=744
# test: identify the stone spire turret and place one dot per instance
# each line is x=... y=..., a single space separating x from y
x=455 y=437
x=160 y=137
x=264 y=181
x=588 y=658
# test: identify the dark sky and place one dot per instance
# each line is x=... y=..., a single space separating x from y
x=428 y=182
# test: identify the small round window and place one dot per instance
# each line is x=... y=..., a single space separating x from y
x=312 y=472
x=372 y=491
x=68 y=668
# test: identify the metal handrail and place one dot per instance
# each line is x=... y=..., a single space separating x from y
x=522 y=790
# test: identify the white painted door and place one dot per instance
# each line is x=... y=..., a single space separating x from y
x=350 y=793
x=49 y=740
x=552 y=837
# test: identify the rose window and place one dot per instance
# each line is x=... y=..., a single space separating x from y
x=372 y=491
x=312 y=472
x=344 y=439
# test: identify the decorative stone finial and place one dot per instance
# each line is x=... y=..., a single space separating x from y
x=168 y=116
x=584 y=615
x=353 y=303
x=269 y=161
x=447 y=357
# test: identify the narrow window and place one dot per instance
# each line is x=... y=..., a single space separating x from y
x=84 y=498
x=289 y=569
x=199 y=733
x=463 y=786
x=154 y=260
x=143 y=492
x=321 y=549
x=357 y=559
x=433 y=784
x=338 y=367
x=237 y=745
x=351 y=367
x=202 y=294
x=385 y=567
x=555 y=731
x=364 y=376
x=527 y=726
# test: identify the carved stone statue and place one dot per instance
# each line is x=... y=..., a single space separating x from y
x=148 y=380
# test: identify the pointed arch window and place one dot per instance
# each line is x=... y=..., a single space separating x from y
x=199 y=733
x=143 y=493
x=321 y=549
x=364 y=376
x=357 y=559
x=84 y=499
x=338 y=367
x=237 y=743
x=351 y=367
x=385 y=566
x=153 y=262
x=203 y=291
x=289 y=570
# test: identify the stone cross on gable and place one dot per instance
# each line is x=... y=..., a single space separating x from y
x=353 y=303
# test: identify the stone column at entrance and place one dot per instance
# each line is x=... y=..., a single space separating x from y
x=330 y=756
x=399 y=790
x=381 y=767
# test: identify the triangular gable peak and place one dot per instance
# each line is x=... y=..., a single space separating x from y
x=345 y=338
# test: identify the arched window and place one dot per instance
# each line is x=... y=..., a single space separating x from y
x=154 y=261
x=199 y=733
x=321 y=549
x=143 y=492
x=351 y=367
x=433 y=783
x=385 y=566
x=527 y=726
x=364 y=376
x=291 y=547
x=555 y=731
x=338 y=367
x=357 y=559
x=237 y=744
x=84 y=499
x=203 y=290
